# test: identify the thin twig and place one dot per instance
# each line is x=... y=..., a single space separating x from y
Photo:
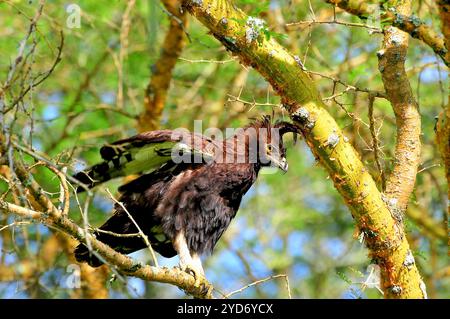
x=20 y=55
x=178 y=20
x=20 y=211
x=428 y=167
x=207 y=61
x=64 y=198
x=14 y=224
x=49 y=163
x=348 y=24
x=144 y=237
x=98 y=230
x=36 y=81
x=375 y=144
x=260 y=282
x=253 y=103
x=349 y=87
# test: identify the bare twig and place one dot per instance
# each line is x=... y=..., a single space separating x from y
x=13 y=224
x=285 y=277
x=252 y=104
x=141 y=233
x=39 y=78
x=20 y=211
x=349 y=87
x=64 y=199
x=375 y=143
x=207 y=61
x=295 y=25
x=98 y=230
x=21 y=51
x=49 y=163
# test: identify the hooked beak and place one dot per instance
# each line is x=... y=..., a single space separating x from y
x=280 y=163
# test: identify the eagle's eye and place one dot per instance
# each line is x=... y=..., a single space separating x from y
x=269 y=148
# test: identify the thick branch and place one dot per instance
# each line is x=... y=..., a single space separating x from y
x=156 y=92
x=443 y=123
x=392 y=56
x=405 y=22
x=386 y=241
x=444 y=12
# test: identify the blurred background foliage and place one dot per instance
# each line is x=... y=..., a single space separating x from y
x=294 y=224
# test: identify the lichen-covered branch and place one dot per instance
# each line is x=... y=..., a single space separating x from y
x=443 y=123
x=391 y=63
x=444 y=13
x=244 y=37
x=156 y=92
x=408 y=23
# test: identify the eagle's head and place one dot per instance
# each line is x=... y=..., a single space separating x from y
x=265 y=141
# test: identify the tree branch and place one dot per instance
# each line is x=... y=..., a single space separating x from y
x=391 y=63
x=124 y=264
x=405 y=22
x=244 y=37
x=443 y=123
x=444 y=12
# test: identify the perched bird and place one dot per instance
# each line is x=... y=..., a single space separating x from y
x=190 y=187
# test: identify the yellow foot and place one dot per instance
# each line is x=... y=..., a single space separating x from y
x=198 y=275
x=201 y=283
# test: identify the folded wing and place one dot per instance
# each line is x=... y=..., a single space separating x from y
x=144 y=153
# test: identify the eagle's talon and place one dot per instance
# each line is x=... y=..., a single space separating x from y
x=206 y=289
x=190 y=271
x=194 y=273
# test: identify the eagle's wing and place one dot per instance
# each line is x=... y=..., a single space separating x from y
x=144 y=153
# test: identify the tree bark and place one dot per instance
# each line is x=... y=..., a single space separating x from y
x=443 y=123
x=392 y=57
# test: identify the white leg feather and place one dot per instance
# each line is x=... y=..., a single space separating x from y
x=188 y=262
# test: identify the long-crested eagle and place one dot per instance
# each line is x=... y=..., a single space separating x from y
x=189 y=189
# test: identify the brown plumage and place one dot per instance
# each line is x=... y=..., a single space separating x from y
x=188 y=201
